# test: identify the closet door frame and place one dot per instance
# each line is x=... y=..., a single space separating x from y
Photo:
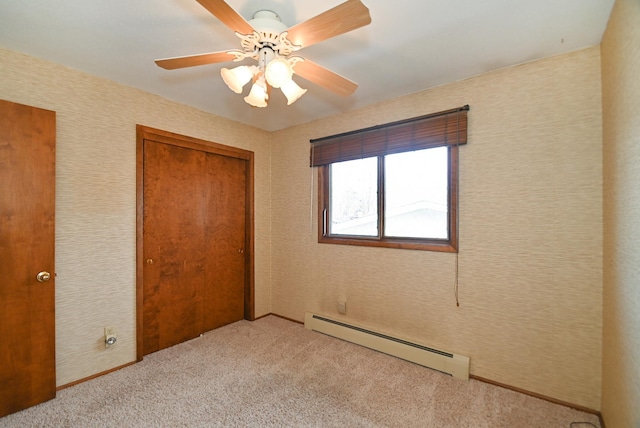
x=146 y=133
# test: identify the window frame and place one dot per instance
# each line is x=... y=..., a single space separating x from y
x=449 y=245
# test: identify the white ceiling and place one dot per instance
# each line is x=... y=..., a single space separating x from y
x=410 y=45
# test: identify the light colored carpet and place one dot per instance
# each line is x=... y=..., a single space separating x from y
x=274 y=373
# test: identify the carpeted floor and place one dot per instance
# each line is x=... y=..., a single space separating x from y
x=274 y=373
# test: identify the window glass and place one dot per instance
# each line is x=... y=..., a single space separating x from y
x=354 y=197
x=416 y=194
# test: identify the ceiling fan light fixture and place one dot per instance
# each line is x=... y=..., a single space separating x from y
x=258 y=95
x=267 y=40
x=278 y=72
x=292 y=91
x=237 y=77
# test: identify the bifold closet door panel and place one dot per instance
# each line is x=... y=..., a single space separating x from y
x=225 y=269
x=175 y=216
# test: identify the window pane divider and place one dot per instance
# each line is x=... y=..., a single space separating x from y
x=381 y=192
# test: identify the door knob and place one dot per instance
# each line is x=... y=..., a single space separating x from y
x=43 y=276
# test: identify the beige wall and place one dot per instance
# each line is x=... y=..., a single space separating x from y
x=530 y=258
x=621 y=108
x=96 y=200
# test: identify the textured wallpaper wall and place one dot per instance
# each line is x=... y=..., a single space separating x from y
x=530 y=260
x=96 y=200
x=621 y=100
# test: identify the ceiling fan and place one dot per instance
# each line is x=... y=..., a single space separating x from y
x=268 y=41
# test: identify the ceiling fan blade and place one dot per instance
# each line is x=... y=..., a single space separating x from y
x=227 y=15
x=341 y=19
x=324 y=77
x=193 y=60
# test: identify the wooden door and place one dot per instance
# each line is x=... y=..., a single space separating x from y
x=194 y=241
x=27 y=215
x=174 y=220
x=225 y=269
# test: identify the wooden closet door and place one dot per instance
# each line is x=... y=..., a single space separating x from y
x=194 y=225
x=225 y=271
x=175 y=192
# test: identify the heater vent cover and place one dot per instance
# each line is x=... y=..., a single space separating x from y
x=446 y=362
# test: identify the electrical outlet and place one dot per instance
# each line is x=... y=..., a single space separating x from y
x=109 y=337
x=342 y=307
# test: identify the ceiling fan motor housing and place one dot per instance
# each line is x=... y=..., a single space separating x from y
x=266 y=21
x=270 y=32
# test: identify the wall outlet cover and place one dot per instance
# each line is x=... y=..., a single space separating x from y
x=342 y=307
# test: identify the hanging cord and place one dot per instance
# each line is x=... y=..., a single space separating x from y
x=313 y=152
x=456 y=284
x=311 y=204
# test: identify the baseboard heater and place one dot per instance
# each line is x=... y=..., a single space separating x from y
x=446 y=362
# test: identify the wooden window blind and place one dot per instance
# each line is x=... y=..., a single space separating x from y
x=445 y=128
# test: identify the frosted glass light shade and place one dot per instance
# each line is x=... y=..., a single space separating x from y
x=237 y=77
x=278 y=72
x=258 y=95
x=292 y=91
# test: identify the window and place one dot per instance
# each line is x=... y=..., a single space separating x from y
x=394 y=185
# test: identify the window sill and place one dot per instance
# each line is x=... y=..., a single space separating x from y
x=435 y=245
